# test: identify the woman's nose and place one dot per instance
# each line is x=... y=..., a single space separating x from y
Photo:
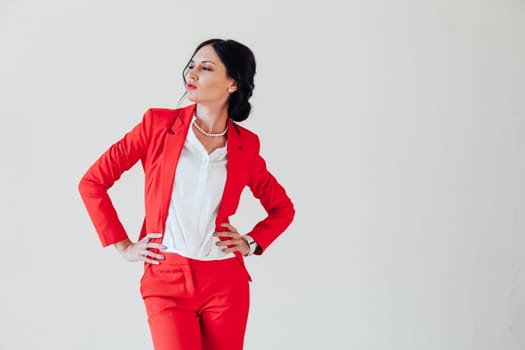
x=192 y=74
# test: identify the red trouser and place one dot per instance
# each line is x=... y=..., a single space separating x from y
x=196 y=305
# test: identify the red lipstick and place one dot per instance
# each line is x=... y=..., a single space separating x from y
x=191 y=86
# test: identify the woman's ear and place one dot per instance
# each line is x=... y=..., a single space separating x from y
x=233 y=87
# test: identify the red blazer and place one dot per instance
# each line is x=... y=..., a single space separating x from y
x=157 y=141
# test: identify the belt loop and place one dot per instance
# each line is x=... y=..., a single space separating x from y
x=188 y=276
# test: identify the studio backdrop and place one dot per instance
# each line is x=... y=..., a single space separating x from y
x=395 y=126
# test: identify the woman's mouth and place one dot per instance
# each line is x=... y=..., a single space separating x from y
x=191 y=86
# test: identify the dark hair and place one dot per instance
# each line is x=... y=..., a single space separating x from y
x=240 y=65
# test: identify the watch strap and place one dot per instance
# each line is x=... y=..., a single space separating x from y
x=251 y=243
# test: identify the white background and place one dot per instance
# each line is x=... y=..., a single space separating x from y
x=396 y=127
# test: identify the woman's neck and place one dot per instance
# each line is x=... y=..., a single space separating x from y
x=212 y=119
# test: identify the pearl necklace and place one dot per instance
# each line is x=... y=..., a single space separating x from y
x=210 y=134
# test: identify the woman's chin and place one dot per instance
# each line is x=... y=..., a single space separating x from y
x=192 y=98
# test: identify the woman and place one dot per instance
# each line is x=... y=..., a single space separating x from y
x=196 y=161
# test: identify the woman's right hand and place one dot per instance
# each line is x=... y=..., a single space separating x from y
x=140 y=251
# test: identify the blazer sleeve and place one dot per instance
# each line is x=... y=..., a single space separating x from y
x=275 y=201
x=107 y=169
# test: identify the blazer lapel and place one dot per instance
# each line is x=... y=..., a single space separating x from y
x=233 y=185
x=175 y=138
x=234 y=169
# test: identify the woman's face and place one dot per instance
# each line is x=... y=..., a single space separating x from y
x=206 y=78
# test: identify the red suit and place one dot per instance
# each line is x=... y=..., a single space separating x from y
x=157 y=141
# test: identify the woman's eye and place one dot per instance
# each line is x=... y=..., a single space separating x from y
x=203 y=68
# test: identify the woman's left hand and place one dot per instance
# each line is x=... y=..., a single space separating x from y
x=235 y=241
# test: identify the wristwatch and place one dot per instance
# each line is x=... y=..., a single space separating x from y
x=251 y=243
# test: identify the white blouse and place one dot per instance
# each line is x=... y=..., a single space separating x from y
x=195 y=199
